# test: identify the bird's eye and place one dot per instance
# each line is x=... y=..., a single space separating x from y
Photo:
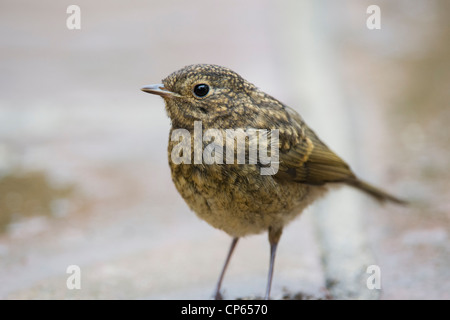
x=201 y=90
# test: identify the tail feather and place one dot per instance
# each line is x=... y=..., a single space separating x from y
x=378 y=194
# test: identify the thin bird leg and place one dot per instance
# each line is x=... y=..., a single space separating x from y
x=274 y=238
x=217 y=294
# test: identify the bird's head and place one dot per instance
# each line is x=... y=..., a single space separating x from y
x=203 y=92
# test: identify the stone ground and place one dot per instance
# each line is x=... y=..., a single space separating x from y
x=84 y=178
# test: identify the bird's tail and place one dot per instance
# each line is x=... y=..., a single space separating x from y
x=378 y=194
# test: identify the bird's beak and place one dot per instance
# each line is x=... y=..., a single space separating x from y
x=159 y=90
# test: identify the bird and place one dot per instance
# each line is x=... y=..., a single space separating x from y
x=236 y=197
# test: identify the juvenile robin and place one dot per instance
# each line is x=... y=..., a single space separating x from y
x=235 y=197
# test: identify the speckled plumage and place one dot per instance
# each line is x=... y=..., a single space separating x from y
x=236 y=198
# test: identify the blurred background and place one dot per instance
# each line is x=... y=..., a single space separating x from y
x=84 y=178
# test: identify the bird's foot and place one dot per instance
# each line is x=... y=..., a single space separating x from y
x=218 y=296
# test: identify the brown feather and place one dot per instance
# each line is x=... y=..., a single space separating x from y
x=312 y=162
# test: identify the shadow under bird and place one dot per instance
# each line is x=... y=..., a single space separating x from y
x=237 y=198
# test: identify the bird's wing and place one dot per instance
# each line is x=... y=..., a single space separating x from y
x=306 y=159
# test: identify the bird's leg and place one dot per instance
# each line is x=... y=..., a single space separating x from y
x=217 y=294
x=274 y=237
